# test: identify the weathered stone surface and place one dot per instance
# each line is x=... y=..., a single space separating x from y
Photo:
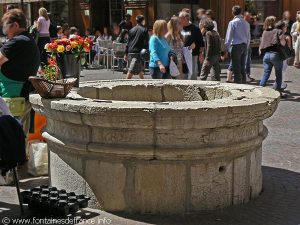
x=109 y=180
x=64 y=177
x=241 y=188
x=72 y=132
x=162 y=147
x=128 y=137
x=159 y=187
x=255 y=173
x=211 y=185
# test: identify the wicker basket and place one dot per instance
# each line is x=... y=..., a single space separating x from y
x=50 y=89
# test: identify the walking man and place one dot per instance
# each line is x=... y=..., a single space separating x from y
x=193 y=39
x=138 y=39
x=237 y=42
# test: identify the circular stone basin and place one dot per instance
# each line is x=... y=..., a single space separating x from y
x=160 y=147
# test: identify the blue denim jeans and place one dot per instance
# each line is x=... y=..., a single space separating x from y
x=272 y=59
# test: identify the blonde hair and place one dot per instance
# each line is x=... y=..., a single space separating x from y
x=158 y=27
x=172 y=27
x=43 y=12
x=269 y=22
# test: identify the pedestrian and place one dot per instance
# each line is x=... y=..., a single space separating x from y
x=271 y=39
x=237 y=42
x=286 y=17
x=43 y=25
x=52 y=28
x=137 y=41
x=212 y=51
x=297 y=44
x=283 y=26
x=126 y=24
x=159 y=51
x=175 y=41
x=123 y=37
x=211 y=15
x=19 y=59
x=294 y=33
x=193 y=39
x=200 y=14
x=248 y=18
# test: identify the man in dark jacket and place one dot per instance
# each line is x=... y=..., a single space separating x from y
x=138 y=39
x=212 y=51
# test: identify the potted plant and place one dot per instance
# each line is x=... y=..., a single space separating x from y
x=68 y=52
x=49 y=82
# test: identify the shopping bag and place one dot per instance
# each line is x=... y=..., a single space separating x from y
x=174 y=71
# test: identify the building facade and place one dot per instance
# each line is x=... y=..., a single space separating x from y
x=105 y=13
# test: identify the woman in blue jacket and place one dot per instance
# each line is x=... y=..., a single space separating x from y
x=159 y=51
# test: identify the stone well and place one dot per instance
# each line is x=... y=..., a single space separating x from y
x=160 y=147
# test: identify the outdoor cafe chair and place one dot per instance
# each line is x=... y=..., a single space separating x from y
x=118 y=53
x=105 y=46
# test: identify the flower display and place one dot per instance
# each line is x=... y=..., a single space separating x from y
x=75 y=45
x=51 y=71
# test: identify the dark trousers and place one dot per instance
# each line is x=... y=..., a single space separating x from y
x=238 y=56
x=42 y=41
x=212 y=63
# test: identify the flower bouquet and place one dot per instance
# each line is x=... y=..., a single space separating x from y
x=75 y=45
x=50 y=82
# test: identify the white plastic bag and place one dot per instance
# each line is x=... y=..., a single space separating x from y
x=174 y=71
x=38 y=159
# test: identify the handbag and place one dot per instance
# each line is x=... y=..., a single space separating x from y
x=284 y=51
x=174 y=71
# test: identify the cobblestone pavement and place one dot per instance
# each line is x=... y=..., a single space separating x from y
x=279 y=203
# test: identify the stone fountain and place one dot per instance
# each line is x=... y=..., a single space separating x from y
x=159 y=147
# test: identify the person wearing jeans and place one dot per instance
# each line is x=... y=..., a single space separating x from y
x=271 y=39
x=237 y=42
x=272 y=59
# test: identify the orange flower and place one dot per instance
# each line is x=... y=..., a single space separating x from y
x=68 y=48
x=74 y=44
x=52 y=61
